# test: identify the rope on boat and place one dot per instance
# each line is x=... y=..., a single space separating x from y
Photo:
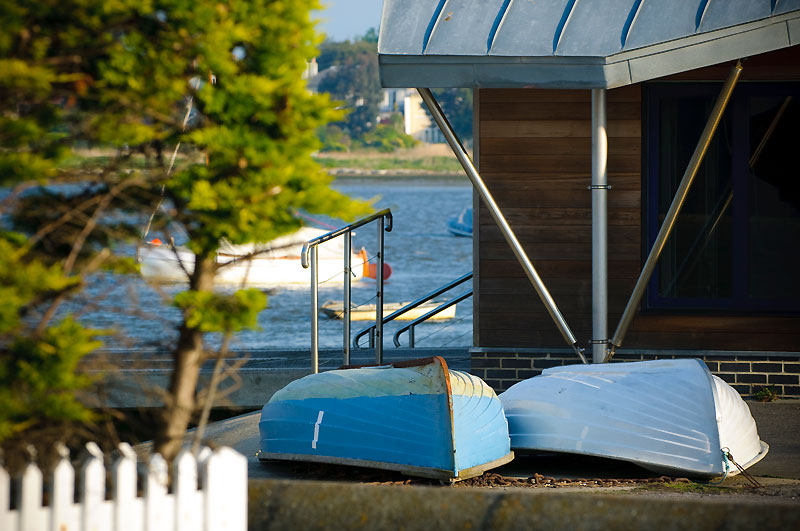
x=725 y=453
x=750 y=478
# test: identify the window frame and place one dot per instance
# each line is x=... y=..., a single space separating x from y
x=738 y=112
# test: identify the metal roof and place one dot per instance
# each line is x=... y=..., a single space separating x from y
x=572 y=43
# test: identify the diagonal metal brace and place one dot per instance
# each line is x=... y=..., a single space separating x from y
x=674 y=209
x=466 y=163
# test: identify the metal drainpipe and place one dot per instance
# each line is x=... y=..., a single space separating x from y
x=674 y=209
x=599 y=189
x=505 y=229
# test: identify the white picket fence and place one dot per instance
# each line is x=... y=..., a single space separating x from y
x=219 y=504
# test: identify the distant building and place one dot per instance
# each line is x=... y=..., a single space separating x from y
x=404 y=101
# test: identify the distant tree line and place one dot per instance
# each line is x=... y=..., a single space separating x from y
x=355 y=82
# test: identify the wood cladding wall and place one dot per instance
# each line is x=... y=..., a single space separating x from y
x=535 y=154
x=533 y=147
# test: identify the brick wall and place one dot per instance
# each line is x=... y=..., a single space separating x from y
x=745 y=371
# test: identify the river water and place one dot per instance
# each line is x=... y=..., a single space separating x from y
x=422 y=253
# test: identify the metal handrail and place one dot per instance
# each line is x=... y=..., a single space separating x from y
x=408 y=307
x=308 y=258
x=410 y=326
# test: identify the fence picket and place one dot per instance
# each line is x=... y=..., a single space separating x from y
x=63 y=514
x=32 y=515
x=155 y=494
x=225 y=487
x=221 y=503
x=127 y=508
x=93 y=491
x=187 y=497
x=5 y=500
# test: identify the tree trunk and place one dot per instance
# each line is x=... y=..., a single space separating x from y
x=188 y=357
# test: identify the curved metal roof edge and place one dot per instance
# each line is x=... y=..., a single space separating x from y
x=624 y=68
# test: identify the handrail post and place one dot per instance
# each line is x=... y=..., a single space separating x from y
x=411 y=336
x=379 y=296
x=346 y=304
x=314 y=315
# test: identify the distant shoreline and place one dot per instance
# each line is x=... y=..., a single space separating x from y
x=358 y=173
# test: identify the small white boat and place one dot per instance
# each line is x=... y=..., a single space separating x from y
x=335 y=309
x=278 y=261
x=669 y=416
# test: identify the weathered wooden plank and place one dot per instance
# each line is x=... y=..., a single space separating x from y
x=509 y=267
x=489 y=232
x=580 y=197
x=541 y=110
x=555 y=128
x=717 y=324
x=579 y=163
x=627 y=93
x=556 y=146
x=702 y=340
x=499 y=182
x=561 y=251
x=565 y=216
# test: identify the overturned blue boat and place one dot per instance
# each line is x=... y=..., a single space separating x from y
x=416 y=417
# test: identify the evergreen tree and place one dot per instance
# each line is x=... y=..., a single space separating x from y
x=121 y=74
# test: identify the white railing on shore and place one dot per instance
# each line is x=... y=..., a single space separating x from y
x=217 y=502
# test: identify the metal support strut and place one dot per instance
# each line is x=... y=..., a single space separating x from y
x=508 y=234
x=674 y=209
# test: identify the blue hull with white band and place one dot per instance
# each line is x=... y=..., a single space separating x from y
x=415 y=417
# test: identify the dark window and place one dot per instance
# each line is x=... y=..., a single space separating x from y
x=736 y=243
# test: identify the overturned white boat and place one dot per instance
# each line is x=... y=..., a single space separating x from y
x=669 y=416
x=272 y=263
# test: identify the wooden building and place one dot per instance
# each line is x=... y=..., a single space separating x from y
x=555 y=82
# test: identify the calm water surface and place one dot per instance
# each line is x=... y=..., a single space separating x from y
x=423 y=256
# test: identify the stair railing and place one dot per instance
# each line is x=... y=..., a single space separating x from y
x=309 y=258
x=372 y=330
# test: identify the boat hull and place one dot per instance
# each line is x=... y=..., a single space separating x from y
x=418 y=418
x=162 y=264
x=670 y=416
x=335 y=310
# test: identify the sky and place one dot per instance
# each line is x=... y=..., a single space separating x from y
x=345 y=19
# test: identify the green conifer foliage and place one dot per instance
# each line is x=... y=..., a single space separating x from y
x=121 y=74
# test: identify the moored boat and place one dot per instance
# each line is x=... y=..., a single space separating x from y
x=366 y=312
x=461 y=224
x=274 y=263
x=416 y=417
x=669 y=416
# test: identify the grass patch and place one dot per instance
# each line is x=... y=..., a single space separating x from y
x=431 y=164
x=686 y=487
